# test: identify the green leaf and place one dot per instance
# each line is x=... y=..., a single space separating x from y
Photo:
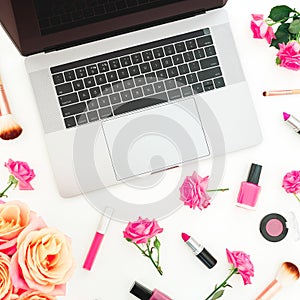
x=295 y=27
x=156 y=243
x=128 y=240
x=278 y=61
x=282 y=35
x=280 y=13
x=218 y=295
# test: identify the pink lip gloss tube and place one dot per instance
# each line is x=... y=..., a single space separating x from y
x=250 y=189
x=143 y=293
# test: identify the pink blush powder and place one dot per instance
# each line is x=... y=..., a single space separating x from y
x=274 y=227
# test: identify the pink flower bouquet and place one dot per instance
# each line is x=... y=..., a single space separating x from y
x=286 y=38
x=240 y=264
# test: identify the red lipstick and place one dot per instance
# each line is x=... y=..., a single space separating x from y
x=206 y=258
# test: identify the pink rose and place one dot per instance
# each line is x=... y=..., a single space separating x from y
x=36 y=296
x=241 y=261
x=193 y=191
x=289 y=55
x=142 y=230
x=14 y=217
x=291 y=182
x=261 y=29
x=21 y=171
x=43 y=261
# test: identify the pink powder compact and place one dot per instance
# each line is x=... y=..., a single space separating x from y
x=274 y=227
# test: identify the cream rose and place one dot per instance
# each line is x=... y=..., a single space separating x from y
x=36 y=296
x=43 y=261
x=5 y=280
x=14 y=217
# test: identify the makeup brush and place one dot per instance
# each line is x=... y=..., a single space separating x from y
x=287 y=274
x=9 y=128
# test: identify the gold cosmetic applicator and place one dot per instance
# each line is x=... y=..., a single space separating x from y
x=287 y=274
x=9 y=128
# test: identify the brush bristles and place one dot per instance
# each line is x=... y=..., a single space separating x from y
x=9 y=128
x=287 y=274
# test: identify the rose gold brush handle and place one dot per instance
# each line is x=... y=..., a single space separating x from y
x=269 y=291
x=4 y=106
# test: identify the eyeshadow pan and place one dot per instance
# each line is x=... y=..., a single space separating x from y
x=273 y=227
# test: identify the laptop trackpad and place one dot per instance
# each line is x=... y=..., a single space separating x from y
x=155 y=139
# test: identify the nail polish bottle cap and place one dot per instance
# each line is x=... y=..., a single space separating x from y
x=140 y=291
x=254 y=173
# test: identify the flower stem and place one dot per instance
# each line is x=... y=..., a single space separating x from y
x=297 y=197
x=3 y=192
x=223 y=284
x=151 y=258
x=218 y=190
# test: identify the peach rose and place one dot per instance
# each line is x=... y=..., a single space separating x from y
x=14 y=217
x=36 y=296
x=6 y=283
x=43 y=261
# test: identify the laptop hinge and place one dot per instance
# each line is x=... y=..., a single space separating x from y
x=125 y=30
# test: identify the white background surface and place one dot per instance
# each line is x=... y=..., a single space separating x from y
x=221 y=226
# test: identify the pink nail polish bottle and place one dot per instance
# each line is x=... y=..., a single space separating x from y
x=250 y=189
x=143 y=293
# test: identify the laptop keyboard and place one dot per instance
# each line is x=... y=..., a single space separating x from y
x=123 y=81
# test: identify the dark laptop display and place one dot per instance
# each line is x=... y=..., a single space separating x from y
x=45 y=25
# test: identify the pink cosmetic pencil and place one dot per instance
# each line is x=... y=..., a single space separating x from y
x=293 y=122
x=98 y=237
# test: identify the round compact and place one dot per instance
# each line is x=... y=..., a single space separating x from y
x=273 y=227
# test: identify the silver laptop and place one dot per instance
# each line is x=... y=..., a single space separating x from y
x=129 y=88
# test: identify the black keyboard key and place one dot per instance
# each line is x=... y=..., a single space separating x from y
x=180 y=47
x=174 y=94
x=219 y=82
x=139 y=80
x=147 y=55
x=194 y=66
x=204 y=41
x=137 y=92
x=100 y=79
x=136 y=58
x=186 y=91
x=188 y=56
x=209 y=73
x=148 y=89
x=159 y=87
x=81 y=72
x=199 y=53
x=84 y=95
x=92 y=104
x=92 y=70
x=81 y=119
x=105 y=112
x=208 y=85
x=114 y=64
x=123 y=73
x=190 y=44
x=169 y=49
x=183 y=69
x=172 y=72
x=177 y=59
x=114 y=98
x=197 y=88
x=68 y=99
x=126 y=96
x=210 y=51
x=70 y=122
x=92 y=116
x=106 y=89
x=118 y=86
x=69 y=75
x=140 y=103
x=134 y=70
x=125 y=61
x=161 y=74
x=156 y=65
x=95 y=92
x=128 y=83
x=145 y=67
x=74 y=109
x=58 y=78
x=209 y=62
x=89 y=82
x=103 y=66
x=181 y=80
x=191 y=78
x=78 y=85
x=103 y=101
x=170 y=84
x=112 y=76
x=158 y=52
x=64 y=88
x=151 y=77
x=167 y=62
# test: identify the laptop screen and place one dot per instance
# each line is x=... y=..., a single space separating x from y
x=47 y=25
